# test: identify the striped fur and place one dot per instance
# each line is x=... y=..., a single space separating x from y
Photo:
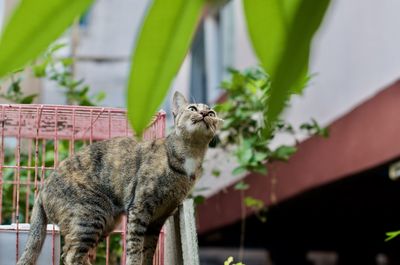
x=89 y=191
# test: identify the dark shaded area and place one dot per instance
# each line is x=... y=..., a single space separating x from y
x=350 y=217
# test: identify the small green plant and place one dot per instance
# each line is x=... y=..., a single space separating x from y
x=59 y=70
x=246 y=126
x=248 y=131
x=14 y=91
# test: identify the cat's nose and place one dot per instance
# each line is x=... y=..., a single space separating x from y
x=204 y=112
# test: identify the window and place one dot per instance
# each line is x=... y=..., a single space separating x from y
x=212 y=54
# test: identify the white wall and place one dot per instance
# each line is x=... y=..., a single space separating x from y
x=108 y=38
x=355 y=55
x=113 y=26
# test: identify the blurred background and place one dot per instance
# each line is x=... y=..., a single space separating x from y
x=335 y=199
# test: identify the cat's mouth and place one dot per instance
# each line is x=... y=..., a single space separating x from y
x=194 y=121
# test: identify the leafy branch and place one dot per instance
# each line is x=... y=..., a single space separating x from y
x=246 y=125
x=14 y=92
x=59 y=70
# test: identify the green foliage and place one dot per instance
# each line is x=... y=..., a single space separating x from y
x=258 y=206
x=283 y=152
x=14 y=92
x=241 y=186
x=199 y=199
x=244 y=115
x=253 y=203
x=59 y=70
x=160 y=49
x=281 y=34
x=245 y=127
x=314 y=128
x=33 y=26
x=216 y=172
x=230 y=260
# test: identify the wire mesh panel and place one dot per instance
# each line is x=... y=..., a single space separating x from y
x=33 y=140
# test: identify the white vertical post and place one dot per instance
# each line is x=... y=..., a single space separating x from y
x=190 y=249
x=181 y=246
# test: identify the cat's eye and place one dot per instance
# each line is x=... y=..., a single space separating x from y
x=192 y=108
x=211 y=114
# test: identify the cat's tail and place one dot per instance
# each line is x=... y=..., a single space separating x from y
x=36 y=236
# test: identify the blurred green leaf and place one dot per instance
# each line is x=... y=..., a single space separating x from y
x=216 y=172
x=254 y=203
x=391 y=235
x=239 y=170
x=99 y=97
x=314 y=128
x=261 y=169
x=67 y=61
x=283 y=152
x=39 y=70
x=281 y=32
x=28 y=99
x=228 y=261
x=33 y=26
x=161 y=46
x=241 y=185
x=199 y=199
x=15 y=87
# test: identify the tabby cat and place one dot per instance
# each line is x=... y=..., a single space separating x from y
x=90 y=191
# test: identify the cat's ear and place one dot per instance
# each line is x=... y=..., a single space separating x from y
x=178 y=102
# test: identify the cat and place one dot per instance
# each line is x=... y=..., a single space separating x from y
x=89 y=192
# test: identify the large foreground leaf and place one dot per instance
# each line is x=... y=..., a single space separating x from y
x=33 y=26
x=163 y=42
x=281 y=32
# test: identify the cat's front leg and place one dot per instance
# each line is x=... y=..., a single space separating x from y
x=151 y=240
x=138 y=221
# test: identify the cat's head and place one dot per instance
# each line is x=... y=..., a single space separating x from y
x=194 y=120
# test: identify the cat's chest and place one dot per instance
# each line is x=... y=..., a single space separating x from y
x=191 y=165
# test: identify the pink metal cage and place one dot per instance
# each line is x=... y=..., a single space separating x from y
x=35 y=138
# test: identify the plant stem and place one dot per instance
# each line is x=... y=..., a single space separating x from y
x=243 y=225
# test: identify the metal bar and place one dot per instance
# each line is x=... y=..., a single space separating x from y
x=109 y=124
x=123 y=234
x=28 y=182
x=92 y=123
x=55 y=166
x=38 y=118
x=18 y=158
x=73 y=130
x=42 y=173
x=91 y=127
x=107 y=250
x=2 y=161
x=55 y=138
